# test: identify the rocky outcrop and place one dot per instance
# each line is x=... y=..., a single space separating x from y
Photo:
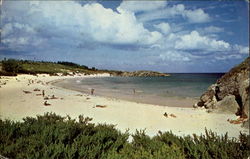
x=230 y=93
x=227 y=105
x=142 y=74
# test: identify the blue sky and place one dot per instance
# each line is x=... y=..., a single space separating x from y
x=166 y=36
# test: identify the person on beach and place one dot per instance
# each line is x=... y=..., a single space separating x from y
x=92 y=91
x=43 y=93
x=134 y=91
x=217 y=90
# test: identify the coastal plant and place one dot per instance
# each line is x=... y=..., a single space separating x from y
x=209 y=145
x=11 y=65
x=53 y=136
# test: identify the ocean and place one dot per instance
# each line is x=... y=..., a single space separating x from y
x=178 y=89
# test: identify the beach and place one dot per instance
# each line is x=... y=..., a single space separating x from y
x=21 y=96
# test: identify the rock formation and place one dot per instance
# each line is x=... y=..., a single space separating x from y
x=142 y=74
x=230 y=93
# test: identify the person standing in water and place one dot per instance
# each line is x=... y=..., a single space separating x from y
x=92 y=91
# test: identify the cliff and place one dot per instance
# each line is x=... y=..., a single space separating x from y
x=230 y=93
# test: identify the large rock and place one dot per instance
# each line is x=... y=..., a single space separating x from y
x=231 y=91
x=227 y=105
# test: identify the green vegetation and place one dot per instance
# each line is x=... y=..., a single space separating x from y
x=72 y=64
x=53 y=136
x=12 y=67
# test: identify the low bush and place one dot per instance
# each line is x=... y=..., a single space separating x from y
x=53 y=136
x=11 y=65
x=3 y=73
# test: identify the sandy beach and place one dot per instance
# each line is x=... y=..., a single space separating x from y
x=21 y=96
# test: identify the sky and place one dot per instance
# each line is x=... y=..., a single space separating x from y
x=165 y=36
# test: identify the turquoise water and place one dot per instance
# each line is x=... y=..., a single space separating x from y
x=181 y=85
x=176 y=90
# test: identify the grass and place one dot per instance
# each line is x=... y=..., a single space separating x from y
x=53 y=136
x=13 y=67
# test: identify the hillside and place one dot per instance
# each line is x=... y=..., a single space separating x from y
x=230 y=93
x=13 y=67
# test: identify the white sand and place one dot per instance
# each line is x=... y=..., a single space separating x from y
x=15 y=105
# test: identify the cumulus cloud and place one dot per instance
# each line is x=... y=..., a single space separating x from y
x=48 y=24
x=69 y=19
x=240 y=49
x=108 y=26
x=139 y=6
x=195 y=41
x=163 y=27
x=17 y=36
x=196 y=16
x=193 y=16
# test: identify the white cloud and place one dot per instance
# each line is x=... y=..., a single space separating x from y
x=70 y=19
x=57 y=24
x=163 y=27
x=196 y=16
x=137 y=6
x=108 y=26
x=240 y=49
x=212 y=29
x=7 y=29
x=12 y=27
x=17 y=35
x=234 y=56
x=195 y=41
x=174 y=56
x=193 y=16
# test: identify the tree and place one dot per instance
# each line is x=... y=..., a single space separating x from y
x=11 y=65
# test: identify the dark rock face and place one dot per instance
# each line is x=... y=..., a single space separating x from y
x=230 y=91
x=142 y=74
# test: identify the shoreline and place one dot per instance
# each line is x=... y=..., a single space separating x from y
x=171 y=101
x=15 y=105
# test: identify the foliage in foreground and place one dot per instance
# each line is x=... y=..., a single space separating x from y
x=53 y=136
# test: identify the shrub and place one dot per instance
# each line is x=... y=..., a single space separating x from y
x=3 y=73
x=53 y=136
x=11 y=65
x=72 y=64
